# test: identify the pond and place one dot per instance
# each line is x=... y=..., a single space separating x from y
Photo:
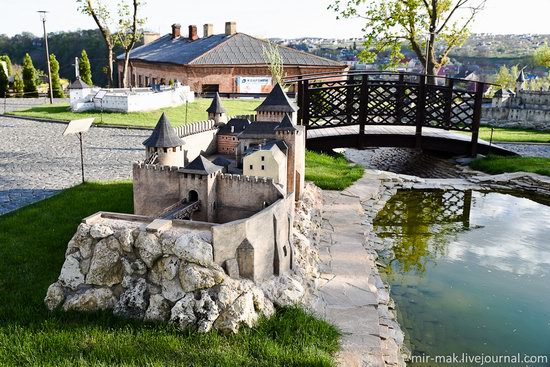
x=470 y=272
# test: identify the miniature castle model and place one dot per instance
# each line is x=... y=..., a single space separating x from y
x=236 y=171
x=85 y=98
x=528 y=109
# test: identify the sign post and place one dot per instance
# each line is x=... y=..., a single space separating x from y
x=77 y=127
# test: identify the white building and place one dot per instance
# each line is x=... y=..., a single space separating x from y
x=85 y=98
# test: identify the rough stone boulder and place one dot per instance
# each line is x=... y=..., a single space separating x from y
x=134 y=302
x=106 y=267
x=71 y=276
x=149 y=248
x=194 y=277
x=284 y=291
x=54 y=297
x=95 y=299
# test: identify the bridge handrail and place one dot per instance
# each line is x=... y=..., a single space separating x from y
x=332 y=74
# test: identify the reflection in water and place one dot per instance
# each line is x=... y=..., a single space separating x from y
x=470 y=273
x=421 y=224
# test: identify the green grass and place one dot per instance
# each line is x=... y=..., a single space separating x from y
x=497 y=165
x=331 y=172
x=514 y=135
x=176 y=115
x=32 y=245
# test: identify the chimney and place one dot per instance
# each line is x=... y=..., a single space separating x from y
x=208 y=30
x=193 y=34
x=149 y=37
x=230 y=28
x=176 y=31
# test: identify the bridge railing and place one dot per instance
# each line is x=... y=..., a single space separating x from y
x=389 y=98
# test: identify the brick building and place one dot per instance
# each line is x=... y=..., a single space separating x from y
x=216 y=62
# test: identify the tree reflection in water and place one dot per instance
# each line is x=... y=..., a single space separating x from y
x=420 y=225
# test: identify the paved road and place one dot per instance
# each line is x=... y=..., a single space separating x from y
x=36 y=161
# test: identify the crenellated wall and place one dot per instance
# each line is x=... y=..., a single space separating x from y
x=155 y=188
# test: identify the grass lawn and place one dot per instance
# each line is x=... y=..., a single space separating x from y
x=32 y=246
x=497 y=165
x=514 y=135
x=331 y=172
x=176 y=115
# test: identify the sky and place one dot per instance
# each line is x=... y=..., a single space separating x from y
x=263 y=18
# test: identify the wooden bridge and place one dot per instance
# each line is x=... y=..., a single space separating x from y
x=388 y=109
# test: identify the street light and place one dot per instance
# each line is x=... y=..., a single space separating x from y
x=43 y=19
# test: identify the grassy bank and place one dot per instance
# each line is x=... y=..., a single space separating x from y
x=514 y=135
x=32 y=246
x=196 y=111
x=331 y=172
x=497 y=165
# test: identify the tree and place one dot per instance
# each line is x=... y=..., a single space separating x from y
x=101 y=15
x=56 y=83
x=7 y=60
x=128 y=33
x=542 y=56
x=84 y=68
x=506 y=77
x=18 y=85
x=29 y=77
x=431 y=28
x=4 y=83
x=274 y=61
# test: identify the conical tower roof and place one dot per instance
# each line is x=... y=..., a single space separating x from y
x=216 y=106
x=163 y=136
x=286 y=124
x=79 y=84
x=277 y=101
x=201 y=166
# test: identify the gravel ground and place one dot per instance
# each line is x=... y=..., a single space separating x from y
x=13 y=104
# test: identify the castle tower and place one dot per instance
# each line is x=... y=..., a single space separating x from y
x=217 y=112
x=295 y=138
x=276 y=106
x=520 y=82
x=164 y=147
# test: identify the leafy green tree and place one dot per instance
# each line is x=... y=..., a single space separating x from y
x=29 y=77
x=56 y=83
x=129 y=33
x=7 y=60
x=85 y=68
x=542 y=56
x=506 y=77
x=4 y=83
x=430 y=27
x=18 y=85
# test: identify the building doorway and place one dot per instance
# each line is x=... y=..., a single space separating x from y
x=193 y=196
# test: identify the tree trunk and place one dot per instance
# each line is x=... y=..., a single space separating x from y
x=110 y=82
x=125 y=69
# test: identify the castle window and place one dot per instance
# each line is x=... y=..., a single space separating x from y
x=251 y=167
x=174 y=150
x=165 y=150
x=263 y=168
x=263 y=158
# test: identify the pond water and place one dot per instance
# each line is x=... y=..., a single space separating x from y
x=471 y=272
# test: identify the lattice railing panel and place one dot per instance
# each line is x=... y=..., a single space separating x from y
x=335 y=106
x=462 y=110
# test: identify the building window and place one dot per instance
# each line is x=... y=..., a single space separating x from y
x=174 y=150
x=165 y=150
x=263 y=158
x=251 y=167
x=263 y=168
x=140 y=81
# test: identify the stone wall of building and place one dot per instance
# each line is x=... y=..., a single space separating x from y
x=153 y=271
x=527 y=110
x=241 y=196
x=259 y=246
x=155 y=188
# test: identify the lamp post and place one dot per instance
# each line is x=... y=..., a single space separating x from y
x=43 y=19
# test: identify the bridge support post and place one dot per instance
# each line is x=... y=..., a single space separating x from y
x=420 y=111
x=448 y=103
x=300 y=96
x=477 y=117
x=305 y=103
x=363 y=110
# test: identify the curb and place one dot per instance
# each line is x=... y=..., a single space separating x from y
x=63 y=122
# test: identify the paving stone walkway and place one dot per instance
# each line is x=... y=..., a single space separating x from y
x=36 y=161
x=352 y=295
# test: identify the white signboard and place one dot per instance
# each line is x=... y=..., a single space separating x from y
x=101 y=94
x=78 y=126
x=254 y=84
